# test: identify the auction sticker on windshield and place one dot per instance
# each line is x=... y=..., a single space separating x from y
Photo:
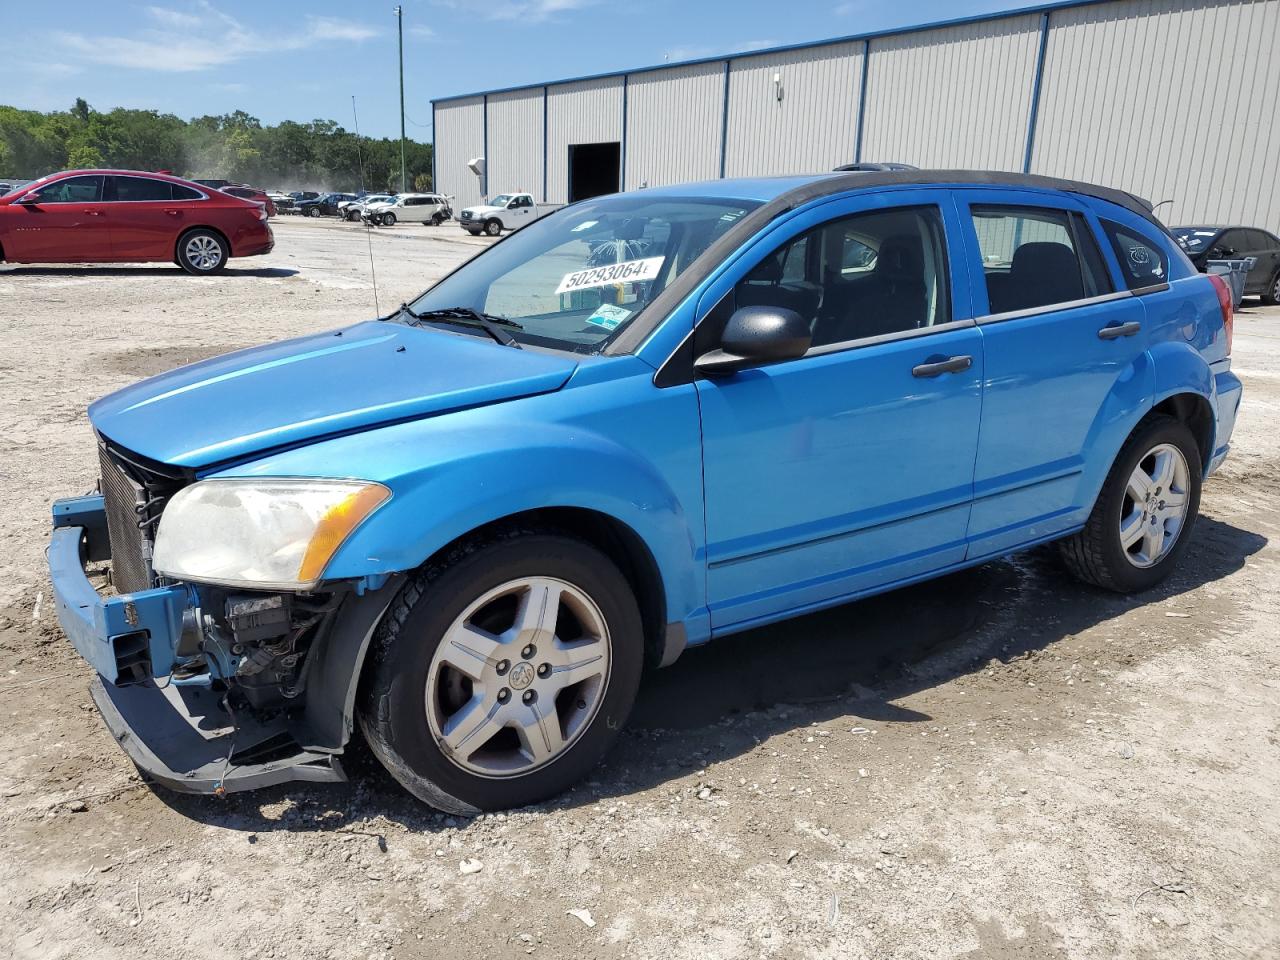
x=624 y=272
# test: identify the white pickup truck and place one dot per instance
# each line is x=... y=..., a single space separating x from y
x=507 y=211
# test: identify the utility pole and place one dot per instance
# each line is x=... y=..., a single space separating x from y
x=400 y=30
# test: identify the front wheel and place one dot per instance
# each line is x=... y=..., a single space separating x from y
x=202 y=252
x=313 y=211
x=493 y=228
x=1142 y=522
x=388 y=219
x=1271 y=296
x=504 y=673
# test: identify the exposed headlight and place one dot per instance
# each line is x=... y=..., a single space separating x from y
x=265 y=534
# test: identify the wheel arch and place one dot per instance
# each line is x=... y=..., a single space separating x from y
x=1196 y=412
x=186 y=231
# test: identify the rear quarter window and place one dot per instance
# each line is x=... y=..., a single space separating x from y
x=1143 y=262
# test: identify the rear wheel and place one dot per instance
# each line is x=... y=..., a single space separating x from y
x=1272 y=294
x=492 y=228
x=388 y=219
x=202 y=252
x=313 y=211
x=503 y=674
x=1142 y=521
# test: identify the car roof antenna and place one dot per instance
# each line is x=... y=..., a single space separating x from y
x=368 y=230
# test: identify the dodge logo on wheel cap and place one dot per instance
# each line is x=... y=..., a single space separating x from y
x=521 y=675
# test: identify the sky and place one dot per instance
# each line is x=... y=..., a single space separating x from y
x=304 y=59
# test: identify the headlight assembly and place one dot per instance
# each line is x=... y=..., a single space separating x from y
x=263 y=534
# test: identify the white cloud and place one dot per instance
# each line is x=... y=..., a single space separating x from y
x=528 y=10
x=426 y=33
x=201 y=37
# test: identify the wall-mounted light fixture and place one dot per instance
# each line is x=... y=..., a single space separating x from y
x=777 y=86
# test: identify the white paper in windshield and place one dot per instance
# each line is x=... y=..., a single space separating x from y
x=625 y=272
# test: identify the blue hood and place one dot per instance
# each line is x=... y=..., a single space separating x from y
x=300 y=390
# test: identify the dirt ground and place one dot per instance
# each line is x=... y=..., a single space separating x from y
x=1000 y=764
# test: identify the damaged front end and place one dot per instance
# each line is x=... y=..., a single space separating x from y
x=208 y=689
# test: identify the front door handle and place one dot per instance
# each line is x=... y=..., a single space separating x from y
x=1115 y=331
x=93 y=213
x=936 y=367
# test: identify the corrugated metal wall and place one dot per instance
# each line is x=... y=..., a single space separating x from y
x=459 y=136
x=586 y=112
x=515 y=142
x=815 y=124
x=1170 y=99
x=674 y=119
x=953 y=97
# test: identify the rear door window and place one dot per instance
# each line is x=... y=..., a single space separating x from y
x=184 y=193
x=1036 y=257
x=1142 y=260
x=132 y=189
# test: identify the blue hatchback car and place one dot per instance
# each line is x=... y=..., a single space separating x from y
x=642 y=422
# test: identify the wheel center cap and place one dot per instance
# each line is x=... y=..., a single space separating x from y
x=521 y=676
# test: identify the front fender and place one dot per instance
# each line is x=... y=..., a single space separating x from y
x=634 y=457
x=526 y=466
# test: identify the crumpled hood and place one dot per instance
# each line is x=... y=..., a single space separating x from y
x=301 y=390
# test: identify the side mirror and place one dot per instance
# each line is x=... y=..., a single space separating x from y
x=755 y=336
x=28 y=200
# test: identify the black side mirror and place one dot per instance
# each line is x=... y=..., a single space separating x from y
x=755 y=336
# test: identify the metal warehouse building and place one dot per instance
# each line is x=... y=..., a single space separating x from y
x=1171 y=99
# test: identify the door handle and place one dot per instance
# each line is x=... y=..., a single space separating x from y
x=93 y=213
x=1118 y=330
x=936 y=368
x=174 y=213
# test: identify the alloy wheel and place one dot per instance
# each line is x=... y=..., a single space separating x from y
x=1155 y=505
x=518 y=677
x=203 y=252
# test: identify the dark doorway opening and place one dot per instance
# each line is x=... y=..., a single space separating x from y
x=593 y=169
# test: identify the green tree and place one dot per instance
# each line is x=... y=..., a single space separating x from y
x=318 y=154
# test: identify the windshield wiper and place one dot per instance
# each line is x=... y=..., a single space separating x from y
x=470 y=318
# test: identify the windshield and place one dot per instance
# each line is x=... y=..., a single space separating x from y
x=1194 y=239
x=26 y=187
x=574 y=279
x=501 y=200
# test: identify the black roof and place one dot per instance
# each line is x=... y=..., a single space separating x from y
x=838 y=183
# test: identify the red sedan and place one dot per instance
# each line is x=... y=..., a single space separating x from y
x=113 y=216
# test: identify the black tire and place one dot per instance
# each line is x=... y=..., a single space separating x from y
x=492 y=227
x=388 y=219
x=193 y=247
x=313 y=211
x=1271 y=296
x=393 y=712
x=1095 y=554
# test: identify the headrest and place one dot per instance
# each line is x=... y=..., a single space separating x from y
x=768 y=270
x=901 y=256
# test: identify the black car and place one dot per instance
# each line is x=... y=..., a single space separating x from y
x=1203 y=244
x=326 y=205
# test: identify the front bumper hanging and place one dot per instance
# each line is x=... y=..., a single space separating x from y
x=181 y=735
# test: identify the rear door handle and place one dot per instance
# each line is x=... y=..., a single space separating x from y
x=1115 y=331
x=937 y=367
x=174 y=213
x=93 y=213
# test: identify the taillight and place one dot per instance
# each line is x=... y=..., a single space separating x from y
x=1226 y=302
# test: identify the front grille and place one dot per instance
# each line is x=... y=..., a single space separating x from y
x=126 y=501
x=466 y=214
